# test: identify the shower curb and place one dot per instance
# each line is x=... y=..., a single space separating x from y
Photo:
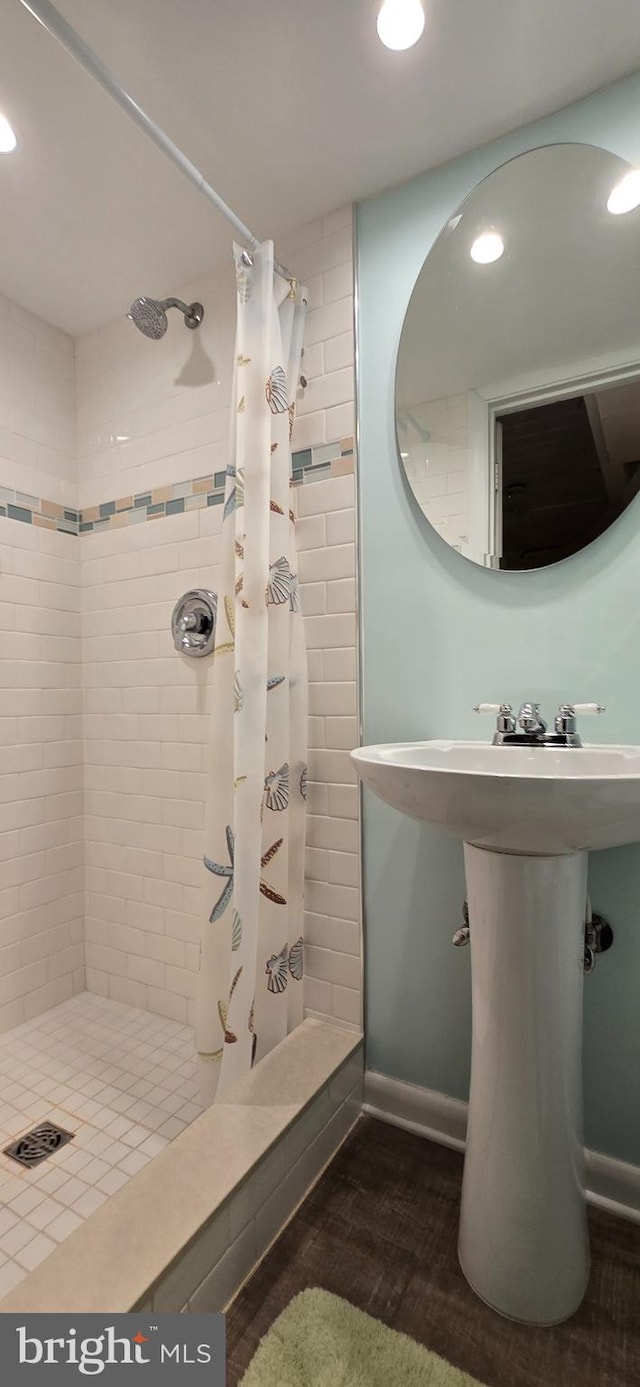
x=186 y=1231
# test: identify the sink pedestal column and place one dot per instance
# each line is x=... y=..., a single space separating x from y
x=523 y=1233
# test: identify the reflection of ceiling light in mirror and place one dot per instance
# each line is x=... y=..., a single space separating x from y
x=453 y=222
x=400 y=23
x=487 y=248
x=626 y=194
x=404 y=455
x=8 y=139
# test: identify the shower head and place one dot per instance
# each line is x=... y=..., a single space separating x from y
x=150 y=315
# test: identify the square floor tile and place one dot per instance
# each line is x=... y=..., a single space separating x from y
x=124 y=1080
x=35 y=1251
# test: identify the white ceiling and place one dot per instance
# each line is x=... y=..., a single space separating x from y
x=290 y=108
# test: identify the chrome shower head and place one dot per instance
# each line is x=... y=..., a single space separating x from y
x=150 y=315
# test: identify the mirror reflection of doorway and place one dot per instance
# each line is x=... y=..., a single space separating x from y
x=566 y=469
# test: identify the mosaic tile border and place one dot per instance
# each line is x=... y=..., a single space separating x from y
x=323 y=460
x=154 y=504
x=33 y=510
x=308 y=465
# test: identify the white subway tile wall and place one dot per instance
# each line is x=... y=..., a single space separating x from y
x=435 y=441
x=41 y=900
x=146 y=730
x=37 y=407
x=151 y=414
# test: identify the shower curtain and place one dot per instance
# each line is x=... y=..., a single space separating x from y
x=250 y=979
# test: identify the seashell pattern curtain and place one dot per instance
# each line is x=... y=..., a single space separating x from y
x=250 y=979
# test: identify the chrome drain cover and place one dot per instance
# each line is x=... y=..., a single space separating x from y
x=35 y=1146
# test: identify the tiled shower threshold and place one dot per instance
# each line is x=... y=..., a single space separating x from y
x=188 y=1226
x=122 y=1080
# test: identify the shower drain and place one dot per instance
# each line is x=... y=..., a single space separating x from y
x=35 y=1146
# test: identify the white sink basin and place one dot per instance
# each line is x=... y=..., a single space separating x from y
x=528 y=800
x=528 y=816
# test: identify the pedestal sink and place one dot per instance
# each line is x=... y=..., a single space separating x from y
x=528 y=816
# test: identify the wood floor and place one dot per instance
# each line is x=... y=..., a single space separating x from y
x=380 y=1229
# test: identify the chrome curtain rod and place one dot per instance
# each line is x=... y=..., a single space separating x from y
x=48 y=16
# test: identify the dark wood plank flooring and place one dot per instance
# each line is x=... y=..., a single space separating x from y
x=380 y=1229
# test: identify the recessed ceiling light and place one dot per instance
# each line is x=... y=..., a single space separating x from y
x=8 y=139
x=400 y=23
x=626 y=194
x=487 y=248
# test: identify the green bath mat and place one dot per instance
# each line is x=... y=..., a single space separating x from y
x=322 y=1341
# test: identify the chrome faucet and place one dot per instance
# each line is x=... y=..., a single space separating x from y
x=530 y=721
x=533 y=728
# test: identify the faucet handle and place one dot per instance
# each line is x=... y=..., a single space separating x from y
x=566 y=718
x=505 y=721
x=568 y=712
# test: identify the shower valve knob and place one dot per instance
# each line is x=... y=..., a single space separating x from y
x=193 y=623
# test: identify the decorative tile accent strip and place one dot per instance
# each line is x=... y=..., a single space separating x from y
x=153 y=505
x=31 y=510
x=308 y=465
x=323 y=460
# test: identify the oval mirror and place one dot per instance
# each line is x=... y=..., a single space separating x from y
x=518 y=377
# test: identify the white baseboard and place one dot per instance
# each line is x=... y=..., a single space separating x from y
x=612 y=1185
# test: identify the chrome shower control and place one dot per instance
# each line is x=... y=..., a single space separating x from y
x=193 y=623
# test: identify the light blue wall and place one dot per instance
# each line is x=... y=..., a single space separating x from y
x=440 y=634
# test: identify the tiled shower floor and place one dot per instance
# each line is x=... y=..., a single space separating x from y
x=124 y=1081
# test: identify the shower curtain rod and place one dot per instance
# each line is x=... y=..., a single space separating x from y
x=48 y=16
